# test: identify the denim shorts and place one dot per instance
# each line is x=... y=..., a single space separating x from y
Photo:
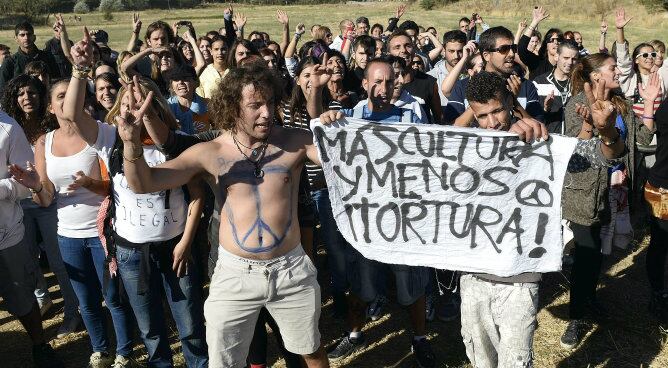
x=411 y=281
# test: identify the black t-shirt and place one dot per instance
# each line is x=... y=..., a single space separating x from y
x=422 y=88
x=353 y=82
x=658 y=175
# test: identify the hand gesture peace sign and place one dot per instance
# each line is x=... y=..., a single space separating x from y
x=129 y=120
x=601 y=109
x=320 y=75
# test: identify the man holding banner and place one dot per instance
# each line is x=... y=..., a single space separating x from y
x=419 y=196
x=411 y=281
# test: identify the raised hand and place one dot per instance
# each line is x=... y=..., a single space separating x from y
x=583 y=112
x=82 y=51
x=478 y=19
x=136 y=23
x=60 y=23
x=521 y=26
x=602 y=110
x=604 y=26
x=27 y=177
x=539 y=14
x=240 y=20
x=469 y=49
x=549 y=99
x=652 y=90
x=620 y=18
x=282 y=17
x=300 y=29
x=320 y=75
x=401 y=10
x=129 y=120
x=228 y=12
x=514 y=84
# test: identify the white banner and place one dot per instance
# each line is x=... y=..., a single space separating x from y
x=445 y=197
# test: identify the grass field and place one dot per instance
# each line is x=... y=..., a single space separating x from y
x=566 y=14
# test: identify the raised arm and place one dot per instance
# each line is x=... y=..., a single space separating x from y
x=240 y=20
x=128 y=65
x=530 y=59
x=230 y=32
x=136 y=28
x=392 y=24
x=438 y=46
x=624 y=62
x=65 y=43
x=292 y=46
x=318 y=78
x=282 y=18
x=141 y=178
x=601 y=40
x=200 y=63
x=453 y=76
x=73 y=105
x=521 y=26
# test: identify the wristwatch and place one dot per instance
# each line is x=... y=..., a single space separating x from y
x=33 y=191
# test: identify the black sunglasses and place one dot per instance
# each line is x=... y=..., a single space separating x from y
x=559 y=39
x=504 y=49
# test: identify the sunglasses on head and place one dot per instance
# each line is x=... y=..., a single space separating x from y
x=646 y=55
x=504 y=49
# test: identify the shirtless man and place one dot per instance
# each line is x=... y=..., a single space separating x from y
x=256 y=166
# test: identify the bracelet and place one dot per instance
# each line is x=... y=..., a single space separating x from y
x=33 y=191
x=298 y=35
x=78 y=74
x=134 y=158
x=647 y=117
x=612 y=141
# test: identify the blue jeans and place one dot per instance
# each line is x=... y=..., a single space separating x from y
x=84 y=262
x=45 y=221
x=337 y=252
x=185 y=301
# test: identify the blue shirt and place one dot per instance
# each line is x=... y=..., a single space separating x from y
x=527 y=97
x=393 y=115
x=197 y=112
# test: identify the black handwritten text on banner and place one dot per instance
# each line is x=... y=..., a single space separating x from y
x=459 y=199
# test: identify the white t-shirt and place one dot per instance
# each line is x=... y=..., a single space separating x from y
x=14 y=149
x=142 y=218
x=77 y=210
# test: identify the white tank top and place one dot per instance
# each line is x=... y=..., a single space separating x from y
x=77 y=210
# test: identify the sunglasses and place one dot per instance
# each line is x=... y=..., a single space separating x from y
x=504 y=49
x=646 y=55
x=556 y=40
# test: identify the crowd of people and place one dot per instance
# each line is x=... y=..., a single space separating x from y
x=144 y=175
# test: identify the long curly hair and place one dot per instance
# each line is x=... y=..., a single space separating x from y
x=10 y=103
x=225 y=104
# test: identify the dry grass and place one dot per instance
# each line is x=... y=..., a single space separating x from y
x=566 y=14
x=631 y=339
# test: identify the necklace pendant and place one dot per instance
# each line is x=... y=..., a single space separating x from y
x=254 y=153
x=258 y=173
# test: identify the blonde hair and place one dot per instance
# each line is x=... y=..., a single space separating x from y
x=124 y=55
x=321 y=33
x=159 y=103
